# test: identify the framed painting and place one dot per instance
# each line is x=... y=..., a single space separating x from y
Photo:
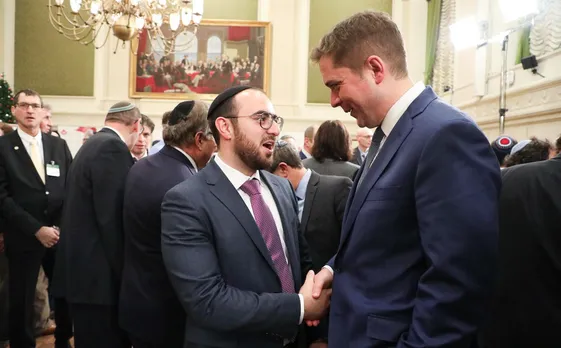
x=222 y=53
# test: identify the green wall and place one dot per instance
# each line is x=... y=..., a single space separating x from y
x=53 y=65
x=324 y=14
x=45 y=60
x=238 y=9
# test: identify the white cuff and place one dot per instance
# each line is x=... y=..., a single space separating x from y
x=301 y=308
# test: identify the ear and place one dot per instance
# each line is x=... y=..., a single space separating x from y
x=225 y=128
x=199 y=137
x=376 y=67
x=283 y=170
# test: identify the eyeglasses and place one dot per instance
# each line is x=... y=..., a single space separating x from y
x=27 y=105
x=266 y=119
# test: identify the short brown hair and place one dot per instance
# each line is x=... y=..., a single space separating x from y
x=27 y=92
x=183 y=133
x=536 y=150
x=147 y=122
x=126 y=117
x=332 y=141
x=364 y=34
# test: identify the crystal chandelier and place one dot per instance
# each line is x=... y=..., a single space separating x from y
x=162 y=20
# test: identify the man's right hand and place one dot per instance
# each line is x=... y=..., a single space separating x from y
x=48 y=236
x=322 y=284
x=314 y=308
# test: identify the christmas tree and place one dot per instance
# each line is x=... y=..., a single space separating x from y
x=6 y=101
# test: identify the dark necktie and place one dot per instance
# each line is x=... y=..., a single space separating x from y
x=268 y=228
x=372 y=151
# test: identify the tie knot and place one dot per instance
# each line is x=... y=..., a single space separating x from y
x=33 y=141
x=251 y=187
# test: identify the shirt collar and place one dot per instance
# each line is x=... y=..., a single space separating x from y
x=191 y=160
x=116 y=131
x=306 y=153
x=399 y=108
x=236 y=177
x=28 y=138
x=303 y=185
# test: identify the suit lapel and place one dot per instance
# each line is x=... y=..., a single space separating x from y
x=310 y=195
x=24 y=158
x=289 y=240
x=178 y=156
x=388 y=150
x=47 y=153
x=223 y=190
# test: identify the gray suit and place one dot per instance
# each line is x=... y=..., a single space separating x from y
x=331 y=167
x=220 y=267
x=357 y=157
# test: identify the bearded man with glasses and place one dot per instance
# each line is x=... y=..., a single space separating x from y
x=230 y=236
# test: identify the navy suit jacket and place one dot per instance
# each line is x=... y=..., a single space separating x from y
x=220 y=267
x=148 y=306
x=418 y=250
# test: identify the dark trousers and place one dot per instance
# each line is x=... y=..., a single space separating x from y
x=24 y=270
x=97 y=326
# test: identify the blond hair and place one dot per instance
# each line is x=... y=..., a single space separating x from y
x=364 y=34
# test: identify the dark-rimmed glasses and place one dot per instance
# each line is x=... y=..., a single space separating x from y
x=266 y=119
x=26 y=106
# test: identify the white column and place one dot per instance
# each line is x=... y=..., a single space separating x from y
x=9 y=39
x=263 y=10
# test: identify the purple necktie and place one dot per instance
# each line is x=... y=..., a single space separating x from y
x=268 y=228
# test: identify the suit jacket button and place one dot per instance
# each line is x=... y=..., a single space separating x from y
x=337 y=270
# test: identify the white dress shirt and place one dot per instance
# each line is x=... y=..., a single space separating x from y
x=237 y=179
x=27 y=139
x=116 y=131
x=191 y=160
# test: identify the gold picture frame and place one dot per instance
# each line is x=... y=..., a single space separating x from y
x=224 y=53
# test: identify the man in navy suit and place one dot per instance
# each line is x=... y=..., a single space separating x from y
x=418 y=250
x=230 y=237
x=148 y=308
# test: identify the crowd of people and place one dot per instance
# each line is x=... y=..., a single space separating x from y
x=227 y=234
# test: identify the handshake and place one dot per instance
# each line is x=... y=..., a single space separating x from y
x=317 y=295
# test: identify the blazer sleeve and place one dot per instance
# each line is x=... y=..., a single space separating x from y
x=108 y=185
x=192 y=264
x=10 y=210
x=457 y=188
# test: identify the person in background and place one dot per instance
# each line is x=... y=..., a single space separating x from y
x=88 y=270
x=331 y=152
x=47 y=122
x=417 y=258
x=364 y=139
x=526 y=311
x=140 y=149
x=148 y=308
x=321 y=206
x=33 y=174
x=291 y=140
x=309 y=136
x=157 y=147
x=528 y=151
x=5 y=129
x=87 y=134
x=502 y=146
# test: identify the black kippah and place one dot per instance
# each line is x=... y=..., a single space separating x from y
x=180 y=112
x=222 y=97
